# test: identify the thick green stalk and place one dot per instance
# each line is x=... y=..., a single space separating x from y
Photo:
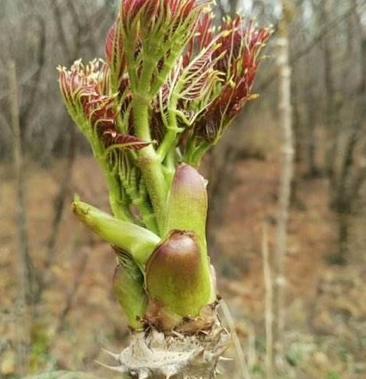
x=170 y=138
x=170 y=166
x=149 y=162
x=114 y=189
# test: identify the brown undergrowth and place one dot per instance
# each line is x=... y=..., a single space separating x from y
x=326 y=313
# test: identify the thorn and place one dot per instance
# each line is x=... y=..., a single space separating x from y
x=113 y=368
x=113 y=355
x=177 y=334
x=225 y=359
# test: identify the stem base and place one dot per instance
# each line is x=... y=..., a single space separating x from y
x=154 y=355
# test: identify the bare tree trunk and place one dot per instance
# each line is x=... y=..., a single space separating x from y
x=343 y=237
x=313 y=170
x=298 y=131
x=222 y=165
x=332 y=103
x=26 y=271
x=288 y=145
x=345 y=196
x=345 y=191
x=268 y=304
x=233 y=7
x=59 y=207
x=297 y=123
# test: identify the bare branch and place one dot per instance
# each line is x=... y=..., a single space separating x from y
x=287 y=165
x=35 y=79
x=296 y=57
x=61 y=30
x=25 y=264
x=72 y=293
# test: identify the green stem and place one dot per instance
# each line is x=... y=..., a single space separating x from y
x=195 y=153
x=170 y=137
x=115 y=201
x=118 y=206
x=149 y=162
x=169 y=166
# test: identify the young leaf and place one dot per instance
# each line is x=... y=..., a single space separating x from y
x=187 y=212
x=129 y=288
x=187 y=204
x=133 y=239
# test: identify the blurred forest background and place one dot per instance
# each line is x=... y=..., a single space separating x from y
x=56 y=305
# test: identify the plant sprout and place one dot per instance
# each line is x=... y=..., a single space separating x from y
x=171 y=83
